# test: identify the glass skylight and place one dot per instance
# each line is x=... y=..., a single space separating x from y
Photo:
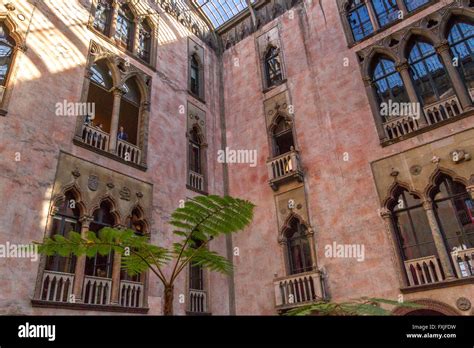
x=221 y=11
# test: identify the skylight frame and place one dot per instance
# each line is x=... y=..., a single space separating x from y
x=219 y=12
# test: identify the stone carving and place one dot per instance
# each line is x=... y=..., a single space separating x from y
x=93 y=182
x=76 y=173
x=110 y=185
x=415 y=170
x=459 y=156
x=125 y=193
x=463 y=304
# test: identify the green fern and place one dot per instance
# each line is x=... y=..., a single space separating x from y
x=195 y=224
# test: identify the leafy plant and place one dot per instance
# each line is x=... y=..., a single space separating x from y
x=195 y=224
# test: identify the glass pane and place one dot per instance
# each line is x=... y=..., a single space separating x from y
x=414 y=4
x=386 y=11
x=359 y=21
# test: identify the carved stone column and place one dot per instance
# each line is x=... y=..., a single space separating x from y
x=372 y=15
x=470 y=190
x=115 y=11
x=116 y=268
x=402 y=68
x=79 y=271
x=314 y=259
x=114 y=123
x=458 y=85
x=444 y=257
x=375 y=107
x=136 y=35
x=386 y=215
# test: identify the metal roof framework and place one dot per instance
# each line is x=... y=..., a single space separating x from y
x=219 y=12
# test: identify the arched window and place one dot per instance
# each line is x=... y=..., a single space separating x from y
x=429 y=76
x=7 y=44
x=273 y=71
x=412 y=5
x=130 y=113
x=282 y=137
x=359 y=19
x=461 y=41
x=413 y=229
x=125 y=27
x=388 y=83
x=454 y=210
x=144 y=41
x=196 y=272
x=100 y=95
x=103 y=16
x=136 y=223
x=65 y=220
x=101 y=265
x=195 y=155
x=194 y=75
x=298 y=248
x=386 y=10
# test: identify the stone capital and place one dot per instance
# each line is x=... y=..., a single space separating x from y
x=427 y=204
x=403 y=65
x=385 y=213
x=368 y=81
x=85 y=220
x=442 y=47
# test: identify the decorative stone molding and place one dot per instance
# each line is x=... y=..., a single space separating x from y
x=463 y=304
x=427 y=304
x=265 y=12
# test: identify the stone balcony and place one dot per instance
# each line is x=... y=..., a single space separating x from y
x=197 y=302
x=100 y=141
x=426 y=271
x=57 y=291
x=432 y=115
x=298 y=290
x=284 y=168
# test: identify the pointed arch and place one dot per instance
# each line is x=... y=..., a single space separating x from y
x=76 y=192
x=110 y=63
x=440 y=172
x=13 y=29
x=394 y=192
x=113 y=207
x=142 y=216
x=141 y=83
x=449 y=17
x=289 y=219
x=412 y=35
x=374 y=54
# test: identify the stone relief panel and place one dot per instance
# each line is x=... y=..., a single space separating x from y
x=416 y=168
x=95 y=183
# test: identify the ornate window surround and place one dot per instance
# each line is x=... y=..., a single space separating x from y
x=20 y=47
x=86 y=208
x=342 y=6
x=121 y=71
x=138 y=18
x=433 y=28
x=445 y=262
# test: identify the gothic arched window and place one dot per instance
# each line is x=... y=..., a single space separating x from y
x=282 y=135
x=273 y=72
x=195 y=155
x=125 y=27
x=429 y=76
x=454 y=210
x=129 y=113
x=65 y=220
x=144 y=41
x=386 y=10
x=461 y=41
x=298 y=247
x=136 y=223
x=359 y=19
x=195 y=75
x=101 y=265
x=103 y=16
x=7 y=44
x=412 y=226
x=412 y=5
x=388 y=83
